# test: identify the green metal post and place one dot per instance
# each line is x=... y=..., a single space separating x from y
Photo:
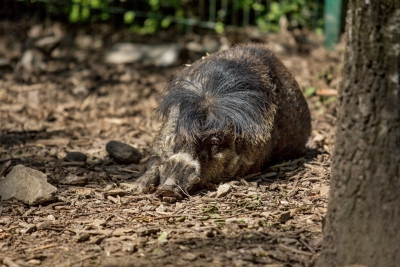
x=332 y=18
x=212 y=10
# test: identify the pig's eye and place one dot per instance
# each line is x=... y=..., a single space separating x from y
x=214 y=143
x=214 y=146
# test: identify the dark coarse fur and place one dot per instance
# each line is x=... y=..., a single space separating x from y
x=228 y=89
x=226 y=115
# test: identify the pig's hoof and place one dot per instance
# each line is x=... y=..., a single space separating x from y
x=169 y=199
x=146 y=188
x=168 y=191
x=147 y=183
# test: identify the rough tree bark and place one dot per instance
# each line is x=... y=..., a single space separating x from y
x=363 y=220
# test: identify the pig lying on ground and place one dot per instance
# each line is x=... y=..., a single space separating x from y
x=226 y=116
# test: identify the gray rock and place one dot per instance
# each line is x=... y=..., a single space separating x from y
x=5 y=65
x=47 y=44
x=32 y=61
x=188 y=256
x=28 y=185
x=207 y=45
x=159 y=55
x=76 y=156
x=123 y=153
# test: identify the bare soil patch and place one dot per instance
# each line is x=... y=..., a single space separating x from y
x=76 y=102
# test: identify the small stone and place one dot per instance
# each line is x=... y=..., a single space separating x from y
x=29 y=228
x=80 y=90
x=72 y=179
x=212 y=194
x=44 y=225
x=159 y=54
x=123 y=153
x=223 y=190
x=284 y=217
x=273 y=186
x=120 y=231
x=34 y=262
x=188 y=256
x=128 y=247
x=128 y=186
x=143 y=231
x=5 y=64
x=48 y=43
x=28 y=185
x=265 y=214
x=169 y=200
x=324 y=191
x=76 y=156
x=85 y=192
x=308 y=221
x=98 y=222
x=83 y=238
x=32 y=60
x=315 y=243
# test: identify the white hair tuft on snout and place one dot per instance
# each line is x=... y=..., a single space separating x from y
x=187 y=159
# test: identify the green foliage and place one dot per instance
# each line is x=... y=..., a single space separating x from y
x=212 y=208
x=309 y=91
x=129 y=17
x=81 y=10
x=149 y=16
x=298 y=12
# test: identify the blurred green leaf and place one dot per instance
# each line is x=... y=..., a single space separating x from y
x=129 y=17
x=85 y=13
x=166 y=22
x=74 y=15
x=219 y=27
x=163 y=237
x=105 y=16
x=181 y=219
x=258 y=7
x=158 y=251
x=309 y=91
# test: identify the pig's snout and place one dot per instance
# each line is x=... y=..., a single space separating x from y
x=177 y=175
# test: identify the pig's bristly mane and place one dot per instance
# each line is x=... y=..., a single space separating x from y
x=219 y=94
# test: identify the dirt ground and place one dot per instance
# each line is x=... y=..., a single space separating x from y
x=70 y=100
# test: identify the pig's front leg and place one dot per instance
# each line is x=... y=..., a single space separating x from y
x=149 y=181
x=163 y=149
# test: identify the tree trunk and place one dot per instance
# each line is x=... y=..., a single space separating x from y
x=363 y=221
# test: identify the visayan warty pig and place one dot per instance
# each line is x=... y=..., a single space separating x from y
x=226 y=116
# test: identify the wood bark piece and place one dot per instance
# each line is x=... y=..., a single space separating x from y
x=72 y=179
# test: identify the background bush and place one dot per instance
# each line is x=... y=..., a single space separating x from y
x=148 y=16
